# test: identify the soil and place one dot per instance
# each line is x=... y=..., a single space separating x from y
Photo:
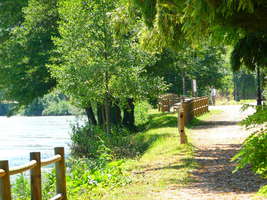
x=216 y=141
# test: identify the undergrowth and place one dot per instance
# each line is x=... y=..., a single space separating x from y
x=254 y=149
x=123 y=165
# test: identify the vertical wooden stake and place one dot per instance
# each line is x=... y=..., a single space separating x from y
x=36 y=191
x=5 y=190
x=181 y=123
x=60 y=173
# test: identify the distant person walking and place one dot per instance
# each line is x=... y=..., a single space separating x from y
x=213 y=95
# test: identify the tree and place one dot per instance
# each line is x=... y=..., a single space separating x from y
x=96 y=68
x=11 y=15
x=224 y=21
x=25 y=53
x=205 y=64
x=251 y=51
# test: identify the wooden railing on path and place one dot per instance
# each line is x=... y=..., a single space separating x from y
x=195 y=107
x=34 y=166
x=189 y=109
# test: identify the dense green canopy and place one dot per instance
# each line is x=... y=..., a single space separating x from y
x=26 y=49
x=250 y=51
x=193 y=19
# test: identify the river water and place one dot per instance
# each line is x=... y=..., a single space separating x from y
x=21 y=135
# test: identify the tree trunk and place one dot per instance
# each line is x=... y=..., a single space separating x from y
x=128 y=118
x=107 y=114
x=100 y=114
x=90 y=115
x=258 y=86
x=115 y=117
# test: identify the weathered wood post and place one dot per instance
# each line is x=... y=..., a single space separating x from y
x=187 y=107
x=60 y=173
x=5 y=190
x=181 y=124
x=36 y=189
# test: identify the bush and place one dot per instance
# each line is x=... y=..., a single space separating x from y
x=91 y=141
x=85 y=177
x=258 y=117
x=254 y=148
x=253 y=153
x=141 y=112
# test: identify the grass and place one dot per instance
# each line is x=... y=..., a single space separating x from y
x=164 y=165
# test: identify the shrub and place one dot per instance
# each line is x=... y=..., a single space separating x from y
x=253 y=153
x=85 y=177
x=258 y=117
x=254 y=148
x=91 y=141
x=141 y=112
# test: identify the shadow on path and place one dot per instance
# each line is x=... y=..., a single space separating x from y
x=215 y=171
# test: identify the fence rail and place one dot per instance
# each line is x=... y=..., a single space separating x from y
x=195 y=107
x=189 y=109
x=34 y=166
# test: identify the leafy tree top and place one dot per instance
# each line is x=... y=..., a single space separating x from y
x=221 y=20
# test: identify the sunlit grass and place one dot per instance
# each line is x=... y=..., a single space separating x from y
x=161 y=164
x=165 y=164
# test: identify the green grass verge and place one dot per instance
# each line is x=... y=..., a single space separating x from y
x=164 y=165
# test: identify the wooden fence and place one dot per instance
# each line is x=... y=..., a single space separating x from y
x=189 y=109
x=34 y=166
x=195 y=107
x=166 y=101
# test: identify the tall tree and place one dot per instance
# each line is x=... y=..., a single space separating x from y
x=25 y=53
x=94 y=66
x=251 y=51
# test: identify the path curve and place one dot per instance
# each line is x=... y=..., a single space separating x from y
x=216 y=142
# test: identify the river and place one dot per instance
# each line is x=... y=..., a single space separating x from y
x=21 y=135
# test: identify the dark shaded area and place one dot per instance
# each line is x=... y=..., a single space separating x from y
x=213 y=124
x=196 y=123
x=216 y=171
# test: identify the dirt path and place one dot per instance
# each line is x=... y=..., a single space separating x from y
x=217 y=141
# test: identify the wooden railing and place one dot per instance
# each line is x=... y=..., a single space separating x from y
x=189 y=109
x=166 y=101
x=34 y=166
x=195 y=107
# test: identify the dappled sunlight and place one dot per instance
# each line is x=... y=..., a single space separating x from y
x=216 y=170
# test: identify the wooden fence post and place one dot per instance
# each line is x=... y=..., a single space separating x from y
x=5 y=190
x=60 y=173
x=181 y=123
x=36 y=189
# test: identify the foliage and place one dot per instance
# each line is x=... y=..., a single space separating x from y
x=263 y=191
x=199 y=20
x=141 y=112
x=250 y=51
x=105 y=64
x=205 y=64
x=24 y=55
x=82 y=175
x=21 y=188
x=259 y=117
x=99 y=174
x=254 y=148
x=11 y=15
x=253 y=153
